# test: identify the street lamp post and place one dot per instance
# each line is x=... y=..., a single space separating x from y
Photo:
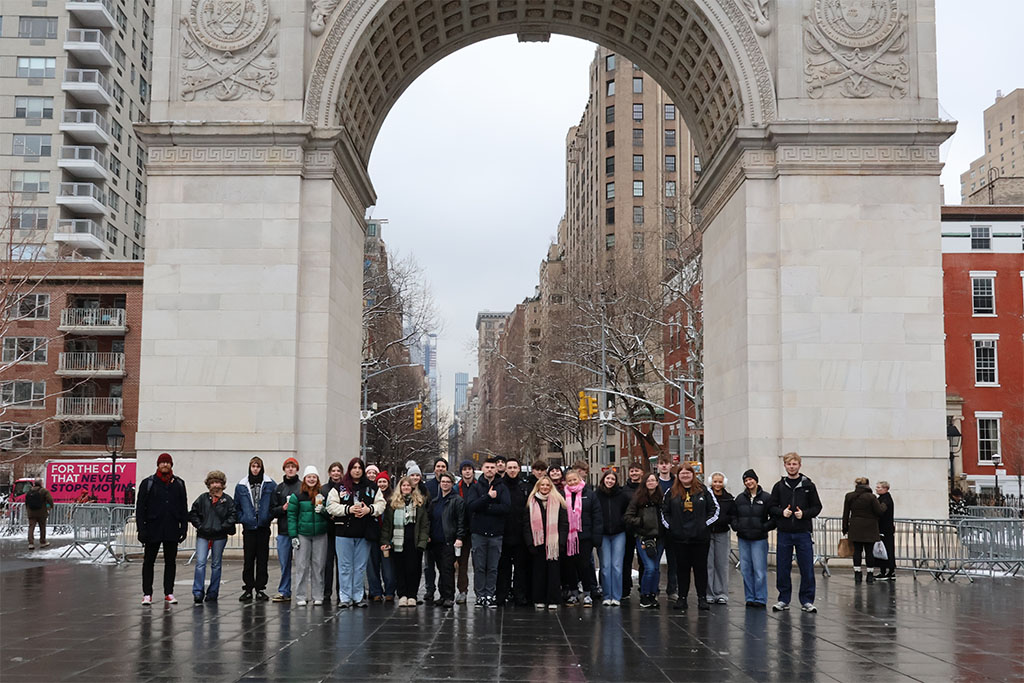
x=953 y=436
x=997 y=460
x=115 y=442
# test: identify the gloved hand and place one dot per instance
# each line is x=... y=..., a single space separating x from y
x=295 y=544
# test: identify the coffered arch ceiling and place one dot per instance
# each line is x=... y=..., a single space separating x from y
x=703 y=52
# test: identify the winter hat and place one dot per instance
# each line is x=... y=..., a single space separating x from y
x=751 y=474
x=215 y=475
x=383 y=475
x=412 y=468
x=292 y=461
x=310 y=469
x=371 y=467
x=165 y=458
x=466 y=463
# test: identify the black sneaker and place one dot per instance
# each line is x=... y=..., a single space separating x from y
x=481 y=602
x=646 y=601
x=246 y=596
x=680 y=604
x=492 y=603
x=197 y=599
x=362 y=604
x=703 y=605
x=211 y=597
x=262 y=596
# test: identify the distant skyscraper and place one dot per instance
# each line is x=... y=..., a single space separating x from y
x=461 y=386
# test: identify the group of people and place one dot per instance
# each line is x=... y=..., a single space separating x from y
x=359 y=537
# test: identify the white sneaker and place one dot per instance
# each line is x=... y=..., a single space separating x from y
x=170 y=599
x=147 y=600
x=538 y=605
x=616 y=603
x=808 y=607
x=460 y=599
x=318 y=603
x=401 y=602
x=552 y=606
x=780 y=606
x=588 y=601
x=300 y=603
x=607 y=603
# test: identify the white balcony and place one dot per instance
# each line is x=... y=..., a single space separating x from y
x=93 y=321
x=83 y=161
x=80 y=364
x=89 y=46
x=82 y=197
x=82 y=234
x=86 y=125
x=88 y=86
x=89 y=409
x=95 y=13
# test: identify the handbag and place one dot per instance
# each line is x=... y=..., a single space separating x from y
x=879 y=551
x=650 y=546
x=845 y=548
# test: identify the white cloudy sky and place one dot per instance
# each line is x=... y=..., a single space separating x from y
x=469 y=165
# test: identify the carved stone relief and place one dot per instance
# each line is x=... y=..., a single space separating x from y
x=319 y=12
x=856 y=48
x=757 y=10
x=228 y=50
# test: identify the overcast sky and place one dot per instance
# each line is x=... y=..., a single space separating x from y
x=469 y=166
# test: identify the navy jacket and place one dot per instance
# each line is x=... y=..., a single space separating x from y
x=249 y=516
x=486 y=514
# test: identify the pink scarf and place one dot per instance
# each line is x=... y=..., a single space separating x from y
x=575 y=516
x=548 y=536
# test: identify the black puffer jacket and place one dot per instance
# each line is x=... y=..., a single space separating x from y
x=690 y=526
x=286 y=488
x=613 y=504
x=213 y=521
x=518 y=494
x=727 y=510
x=453 y=516
x=591 y=523
x=798 y=492
x=752 y=521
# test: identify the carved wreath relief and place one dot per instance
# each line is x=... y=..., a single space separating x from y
x=856 y=47
x=228 y=50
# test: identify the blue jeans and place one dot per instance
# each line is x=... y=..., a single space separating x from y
x=380 y=569
x=754 y=567
x=486 y=554
x=651 y=577
x=613 y=551
x=215 y=551
x=284 y=556
x=352 y=555
x=804 y=546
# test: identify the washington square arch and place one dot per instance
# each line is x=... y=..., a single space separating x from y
x=817 y=122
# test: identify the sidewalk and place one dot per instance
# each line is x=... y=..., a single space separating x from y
x=66 y=620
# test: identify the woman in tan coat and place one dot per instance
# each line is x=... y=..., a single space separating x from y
x=861 y=511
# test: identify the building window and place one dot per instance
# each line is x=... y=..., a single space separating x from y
x=670 y=137
x=32 y=146
x=33 y=107
x=986 y=372
x=115 y=166
x=609 y=216
x=37 y=27
x=609 y=240
x=983 y=298
x=138 y=192
x=609 y=114
x=609 y=88
x=609 y=138
x=23 y=393
x=670 y=163
x=609 y=165
x=20 y=436
x=981 y=237
x=638 y=240
x=638 y=188
x=638 y=215
x=609 y=63
x=638 y=85
x=137 y=224
x=670 y=188
x=371 y=229
x=670 y=216
x=670 y=112
x=638 y=137
x=24 y=350
x=696 y=164
x=638 y=162
x=988 y=438
x=29 y=218
x=609 y=190
x=37 y=67
x=638 y=111
x=30 y=181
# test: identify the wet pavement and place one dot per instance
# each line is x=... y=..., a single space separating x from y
x=64 y=620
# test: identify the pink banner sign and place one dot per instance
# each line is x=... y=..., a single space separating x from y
x=82 y=481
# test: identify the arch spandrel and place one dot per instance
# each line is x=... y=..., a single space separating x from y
x=703 y=52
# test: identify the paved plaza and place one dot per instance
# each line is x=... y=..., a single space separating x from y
x=63 y=620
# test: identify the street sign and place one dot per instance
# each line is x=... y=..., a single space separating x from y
x=607 y=415
x=365 y=415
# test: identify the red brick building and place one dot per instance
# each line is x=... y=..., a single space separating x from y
x=983 y=295
x=70 y=369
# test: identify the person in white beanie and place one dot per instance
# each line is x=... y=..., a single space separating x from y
x=307 y=527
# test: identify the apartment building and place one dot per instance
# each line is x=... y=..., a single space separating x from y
x=75 y=74
x=997 y=176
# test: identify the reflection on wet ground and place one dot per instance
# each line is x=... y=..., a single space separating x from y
x=69 y=621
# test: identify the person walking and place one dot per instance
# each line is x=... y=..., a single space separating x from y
x=214 y=516
x=887 y=530
x=634 y=478
x=585 y=525
x=380 y=574
x=307 y=527
x=752 y=524
x=861 y=512
x=488 y=505
x=447 y=534
x=161 y=518
x=687 y=512
x=793 y=504
x=546 y=532
x=718 y=553
x=513 y=567
x=467 y=478
x=335 y=476
x=613 y=501
x=289 y=485
x=354 y=508
x=643 y=518
x=254 y=496
x=404 y=536
x=38 y=503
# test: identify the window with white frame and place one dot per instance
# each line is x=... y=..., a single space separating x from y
x=24 y=350
x=30 y=307
x=981 y=237
x=988 y=435
x=983 y=292
x=19 y=436
x=986 y=370
x=23 y=393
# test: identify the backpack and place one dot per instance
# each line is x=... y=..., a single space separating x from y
x=34 y=499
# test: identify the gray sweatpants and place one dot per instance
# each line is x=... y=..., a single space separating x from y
x=308 y=564
x=718 y=566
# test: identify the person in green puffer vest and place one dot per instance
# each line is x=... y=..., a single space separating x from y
x=307 y=527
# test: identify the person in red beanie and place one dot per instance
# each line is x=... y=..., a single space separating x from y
x=161 y=517
x=279 y=510
x=380 y=575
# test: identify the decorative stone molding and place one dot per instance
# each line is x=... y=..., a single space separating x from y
x=216 y=160
x=228 y=50
x=856 y=48
x=320 y=12
x=757 y=10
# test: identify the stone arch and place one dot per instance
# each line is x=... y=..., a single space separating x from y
x=705 y=54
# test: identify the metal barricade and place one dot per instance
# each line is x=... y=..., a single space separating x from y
x=93 y=528
x=993 y=511
x=15 y=519
x=128 y=544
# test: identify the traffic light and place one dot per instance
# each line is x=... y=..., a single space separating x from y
x=417 y=416
x=592 y=404
x=584 y=406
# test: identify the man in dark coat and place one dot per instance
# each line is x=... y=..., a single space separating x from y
x=793 y=504
x=887 y=528
x=489 y=504
x=161 y=517
x=515 y=557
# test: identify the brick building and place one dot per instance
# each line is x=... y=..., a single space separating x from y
x=71 y=340
x=983 y=295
